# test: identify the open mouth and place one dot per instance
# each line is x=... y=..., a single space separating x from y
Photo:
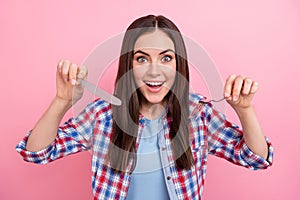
x=154 y=84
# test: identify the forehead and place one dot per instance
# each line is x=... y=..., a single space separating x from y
x=156 y=40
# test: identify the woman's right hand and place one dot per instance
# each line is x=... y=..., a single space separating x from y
x=68 y=88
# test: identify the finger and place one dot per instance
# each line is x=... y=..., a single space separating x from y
x=82 y=72
x=58 y=71
x=65 y=70
x=73 y=73
x=247 y=86
x=254 y=87
x=59 y=65
x=228 y=86
x=237 y=86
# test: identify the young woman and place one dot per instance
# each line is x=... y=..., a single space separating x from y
x=155 y=145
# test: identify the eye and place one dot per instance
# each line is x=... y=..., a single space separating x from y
x=141 y=59
x=166 y=58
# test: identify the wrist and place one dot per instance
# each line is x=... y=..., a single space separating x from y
x=243 y=110
x=61 y=104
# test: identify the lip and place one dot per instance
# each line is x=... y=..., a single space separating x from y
x=154 y=89
x=153 y=81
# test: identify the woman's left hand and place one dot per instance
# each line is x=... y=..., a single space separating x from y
x=239 y=91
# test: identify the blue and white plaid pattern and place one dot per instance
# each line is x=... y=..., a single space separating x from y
x=210 y=133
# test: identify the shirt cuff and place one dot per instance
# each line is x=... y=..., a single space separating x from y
x=39 y=157
x=255 y=161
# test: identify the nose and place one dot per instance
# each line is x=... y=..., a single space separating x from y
x=154 y=70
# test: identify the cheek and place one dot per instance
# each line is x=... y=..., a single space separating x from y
x=137 y=74
x=171 y=73
x=172 y=77
x=173 y=64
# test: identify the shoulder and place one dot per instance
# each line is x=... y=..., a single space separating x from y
x=101 y=108
x=194 y=99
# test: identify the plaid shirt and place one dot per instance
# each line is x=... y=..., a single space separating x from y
x=210 y=133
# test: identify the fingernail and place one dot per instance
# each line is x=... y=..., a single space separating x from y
x=235 y=98
x=60 y=66
x=254 y=88
x=65 y=79
x=226 y=94
x=73 y=81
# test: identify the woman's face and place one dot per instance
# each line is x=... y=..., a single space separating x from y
x=154 y=66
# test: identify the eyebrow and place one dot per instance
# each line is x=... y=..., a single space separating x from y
x=142 y=52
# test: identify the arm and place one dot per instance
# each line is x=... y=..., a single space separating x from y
x=45 y=131
x=247 y=147
x=239 y=92
x=252 y=132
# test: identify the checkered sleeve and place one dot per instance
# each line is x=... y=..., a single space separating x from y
x=72 y=137
x=225 y=140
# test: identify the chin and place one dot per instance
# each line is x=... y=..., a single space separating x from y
x=154 y=100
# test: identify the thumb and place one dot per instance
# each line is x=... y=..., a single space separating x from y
x=59 y=71
x=82 y=72
x=254 y=87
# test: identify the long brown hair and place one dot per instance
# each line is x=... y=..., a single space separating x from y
x=126 y=117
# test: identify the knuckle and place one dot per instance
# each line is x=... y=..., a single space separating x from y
x=248 y=80
x=65 y=69
x=236 y=91
x=245 y=91
x=83 y=70
x=246 y=87
x=66 y=63
x=231 y=77
x=73 y=66
x=240 y=78
x=60 y=62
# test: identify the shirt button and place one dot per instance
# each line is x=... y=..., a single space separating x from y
x=169 y=177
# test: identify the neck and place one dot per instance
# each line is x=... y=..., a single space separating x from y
x=152 y=111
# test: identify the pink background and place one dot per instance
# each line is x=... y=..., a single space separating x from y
x=259 y=39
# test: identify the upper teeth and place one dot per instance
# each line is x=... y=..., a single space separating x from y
x=153 y=83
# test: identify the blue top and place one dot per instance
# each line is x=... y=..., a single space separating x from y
x=148 y=181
